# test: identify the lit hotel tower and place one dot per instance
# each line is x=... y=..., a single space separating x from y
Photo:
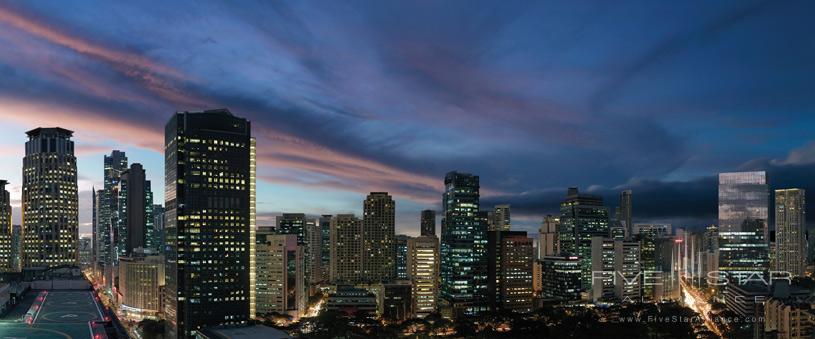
x=50 y=200
x=208 y=179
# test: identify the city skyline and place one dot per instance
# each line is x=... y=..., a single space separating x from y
x=116 y=87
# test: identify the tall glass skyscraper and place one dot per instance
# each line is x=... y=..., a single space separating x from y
x=743 y=242
x=790 y=231
x=50 y=199
x=135 y=212
x=582 y=217
x=463 y=246
x=379 y=231
x=106 y=210
x=6 y=230
x=207 y=220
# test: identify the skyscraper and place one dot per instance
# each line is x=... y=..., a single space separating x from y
x=548 y=243
x=500 y=218
x=423 y=272
x=428 y=226
x=6 y=230
x=107 y=209
x=50 y=199
x=581 y=218
x=325 y=246
x=561 y=278
x=207 y=220
x=346 y=249
x=158 y=226
x=790 y=228
x=308 y=237
x=626 y=217
x=379 y=231
x=743 y=234
x=135 y=212
x=509 y=283
x=280 y=285
x=401 y=246
x=463 y=246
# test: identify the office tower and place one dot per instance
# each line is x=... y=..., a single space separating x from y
x=625 y=216
x=428 y=223
x=16 y=248
x=711 y=239
x=659 y=230
x=84 y=251
x=581 y=218
x=500 y=218
x=743 y=234
x=401 y=256
x=6 y=229
x=396 y=301
x=648 y=256
x=207 y=220
x=135 y=212
x=141 y=279
x=617 y=232
x=280 y=281
x=346 y=249
x=548 y=237
x=252 y=224
x=292 y=223
x=158 y=227
x=423 y=271
x=602 y=269
x=50 y=199
x=463 y=246
x=378 y=228
x=107 y=209
x=627 y=270
x=790 y=231
x=561 y=278
x=94 y=225
x=509 y=283
x=313 y=253
x=325 y=246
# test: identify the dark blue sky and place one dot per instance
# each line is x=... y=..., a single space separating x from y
x=352 y=97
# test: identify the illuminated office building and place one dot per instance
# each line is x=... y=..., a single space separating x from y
x=401 y=247
x=208 y=221
x=135 y=212
x=428 y=222
x=548 y=237
x=743 y=234
x=582 y=217
x=141 y=281
x=463 y=247
x=309 y=237
x=500 y=218
x=509 y=283
x=280 y=286
x=378 y=228
x=790 y=231
x=423 y=273
x=561 y=278
x=346 y=249
x=6 y=230
x=106 y=210
x=85 y=250
x=50 y=199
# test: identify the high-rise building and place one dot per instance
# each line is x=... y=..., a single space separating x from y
x=602 y=269
x=423 y=271
x=628 y=271
x=509 y=283
x=500 y=218
x=626 y=217
x=252 y=224
x=743 y=234
x=790 y=231
x=428 y=222
x=325 y=246
x=135 y=212
x=207 y=220
x=107 y=210
x=548 y=237
x=561 y=278
x=16 y=248
x=309 y=237
x=582 y=217
x=5 y=229
x=50 y=199
x=401 y=246
x=141 y=280
x=659 y=230
x=346 y=249
x=158 y=227
x=378 y=232
x=85 y=249
x=463 y=246
x=280 y=282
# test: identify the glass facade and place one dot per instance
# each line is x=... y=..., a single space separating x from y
x=401 y=256
x=6 y=230
x=207 y=220
x=743 y=242
x=463 y=246
x=581 y=218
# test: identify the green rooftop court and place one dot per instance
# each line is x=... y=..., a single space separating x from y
x=63 y=314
